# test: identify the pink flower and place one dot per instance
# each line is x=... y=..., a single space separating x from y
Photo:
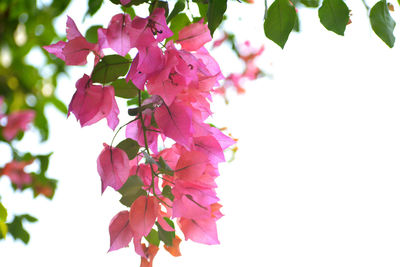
x=15 y=171
x=194 y=36
x=143 y=215
x=92 y=103
x=118 y=36
x=113 y=167
x=17 y=121
x=120 y=231
x=202 y=231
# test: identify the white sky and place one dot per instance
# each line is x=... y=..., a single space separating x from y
x=316 y=180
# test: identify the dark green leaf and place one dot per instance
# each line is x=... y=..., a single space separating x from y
x=382 y=23
x=215 y=13
x=166 y=236
x=334 y=15
x=279 y=22
x=125 y=89
x=135 y=100
x=310 y=3
x=130 y=146
x=28 y=217
x=44 y=162
x=203 y=10
x=93 y=6
x=91 y=34
x=153 y=238
x=179 y=6
x=16 y=229
x=166 y=192
x=131 y=190
x=110 y=68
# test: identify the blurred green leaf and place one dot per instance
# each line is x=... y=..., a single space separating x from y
x=334 y=15
x=131 y=190
x=178 y=23
x=179 y=6
x=3 y=213
x=310 y=3
x=16 y=228
x=382 y=23
x=91 y=34
x=93 y=7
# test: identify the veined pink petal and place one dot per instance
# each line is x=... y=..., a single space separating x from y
x=77 y=50
x=194 y=36
x=143 y=214
x=202 y=231
x=17 y=121
x=113 y=167
x=120 y=231
x=175 y=122
x=191 y=165
x=56 y=49
x=118 y=34
x=210 y=146
x=112 y=117
x=72 y=30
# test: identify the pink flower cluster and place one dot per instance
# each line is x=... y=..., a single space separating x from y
x=177 y=181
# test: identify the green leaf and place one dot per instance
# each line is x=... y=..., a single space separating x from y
x=310 y=3
x=166 y=236
x=159 y=4
x=110 y=68
x=135 y=100
x=130 y=146
x=129 y=10
x=178 y=23
x=44 y=162
x=16 y=229
x=179 y=6
x=166 y=192
x=215 y=13
x=58 y=104
x=382 y=23
x=3 y=213
x=203 y=10
x=279 y=22
x=3 y=229
x=153 y=238
x=93 y=6
x=164 y=168
x=131 y=190
x=125 y=89
x=334 y=15
x=91 y=34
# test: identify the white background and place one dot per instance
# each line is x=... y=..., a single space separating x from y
x=315 y=182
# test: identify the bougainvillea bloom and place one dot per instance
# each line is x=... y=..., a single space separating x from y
x=112 y=166
x=17 y=121
x=92 y=103
x=15 y=171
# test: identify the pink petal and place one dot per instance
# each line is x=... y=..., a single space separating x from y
x=77 y=50
x=118 y=34
x=202 y=231
x=17 y=121
x=175 y=122
x=160 y=24
x=72 y=30
x=56 y=49
x=194 y=36
x=210 y=146
x=120 y=231
x=113 y=167
x=143 y=214
x=112 y=117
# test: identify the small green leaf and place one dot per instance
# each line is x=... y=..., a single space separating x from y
x=93 y=6
x=164 y=168
x=166 y=236
x=166 y=192
x=131 y=190
x=91 y=34
x=159 y=4
x=3 y=229
x=310 y=3
x=110 y=68
x=334 y=15
x=129 y=10
x=215 y=13
x=382 y=23
x=179 y=6
x=203 y=10
x=124 y=89
x=153 y=238
x=178 y=23
x=3 y=213
x=135 y=100
x=58 y=104
x=16 y=229
x=130 y=146
x=279 y=22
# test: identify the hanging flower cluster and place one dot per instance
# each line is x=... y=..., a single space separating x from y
x=166 y=167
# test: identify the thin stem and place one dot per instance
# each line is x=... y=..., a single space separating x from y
x=120 y=130
x=365 y=5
